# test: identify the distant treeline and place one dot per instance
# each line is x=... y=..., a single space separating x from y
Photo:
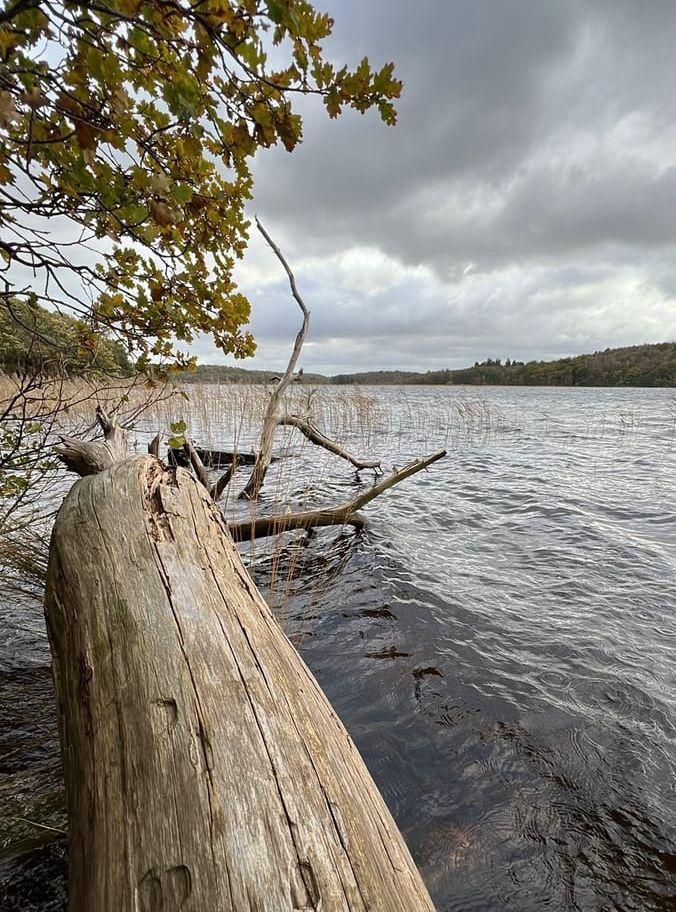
x=35 y=339
x=32 y=337
x=636 y=365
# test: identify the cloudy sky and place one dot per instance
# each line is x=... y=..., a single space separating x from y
x=524 y=206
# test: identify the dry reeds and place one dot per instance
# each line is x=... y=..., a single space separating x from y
x=394 y=423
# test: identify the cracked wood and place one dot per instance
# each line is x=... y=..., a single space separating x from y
x=205 y=769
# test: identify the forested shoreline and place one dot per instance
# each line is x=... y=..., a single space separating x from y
x=30 y=335
x=635 y=365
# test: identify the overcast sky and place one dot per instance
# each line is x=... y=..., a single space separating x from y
x=524 y=206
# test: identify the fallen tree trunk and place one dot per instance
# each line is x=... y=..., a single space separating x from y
x=205 y=769
x=344 y=514
x=212 y=459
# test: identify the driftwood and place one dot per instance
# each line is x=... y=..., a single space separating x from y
x=257 y=477
x=314 y=435
x=345 y=514
x=90 y=457
x=212 y=459
x=205 y=769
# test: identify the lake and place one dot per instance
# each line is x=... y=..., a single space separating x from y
x=500 y=642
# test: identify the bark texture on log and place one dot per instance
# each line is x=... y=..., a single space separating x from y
x=205 y=769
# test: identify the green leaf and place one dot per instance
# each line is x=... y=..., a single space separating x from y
x=277 y=10
x=181 y=193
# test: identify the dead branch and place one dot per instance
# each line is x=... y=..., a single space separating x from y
x=200 y=470
x=255 y=482
x=345 y=514
x=197 y=464
x=154 y=446
x=88 y=457
x=314 y=435
x=216 y=490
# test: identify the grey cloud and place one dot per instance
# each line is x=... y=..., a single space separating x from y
x=417 y=322
x=532 y=176
x=486 y=86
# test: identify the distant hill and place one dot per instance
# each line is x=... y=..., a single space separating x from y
x=636 y=365
x=220 y=373
x=36 y=339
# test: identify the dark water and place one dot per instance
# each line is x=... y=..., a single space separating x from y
x=500 y=642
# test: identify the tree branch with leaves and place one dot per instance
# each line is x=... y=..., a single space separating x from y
x=127 y=132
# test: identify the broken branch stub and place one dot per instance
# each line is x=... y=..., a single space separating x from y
x=88 y=457
x=154 y=445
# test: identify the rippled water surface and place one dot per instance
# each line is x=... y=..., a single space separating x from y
x=500 y=642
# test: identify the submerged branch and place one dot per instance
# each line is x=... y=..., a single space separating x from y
x=314 y=435
x=344 y=514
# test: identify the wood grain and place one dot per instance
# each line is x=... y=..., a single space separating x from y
x=205 y=769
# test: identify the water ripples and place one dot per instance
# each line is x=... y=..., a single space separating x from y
x=499 y=642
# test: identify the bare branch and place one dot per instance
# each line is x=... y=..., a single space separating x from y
x=257 y=477
x=330 y=516
x=314 y=435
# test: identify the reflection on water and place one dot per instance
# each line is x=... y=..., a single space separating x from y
x=500 y=643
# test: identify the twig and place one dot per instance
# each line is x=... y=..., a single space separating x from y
x=43 y=826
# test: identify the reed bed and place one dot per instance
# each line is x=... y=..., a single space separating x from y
x=392 y=423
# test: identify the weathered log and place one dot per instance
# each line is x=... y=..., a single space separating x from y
x=205 y=769
x=314 y=435
x=344 y=514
